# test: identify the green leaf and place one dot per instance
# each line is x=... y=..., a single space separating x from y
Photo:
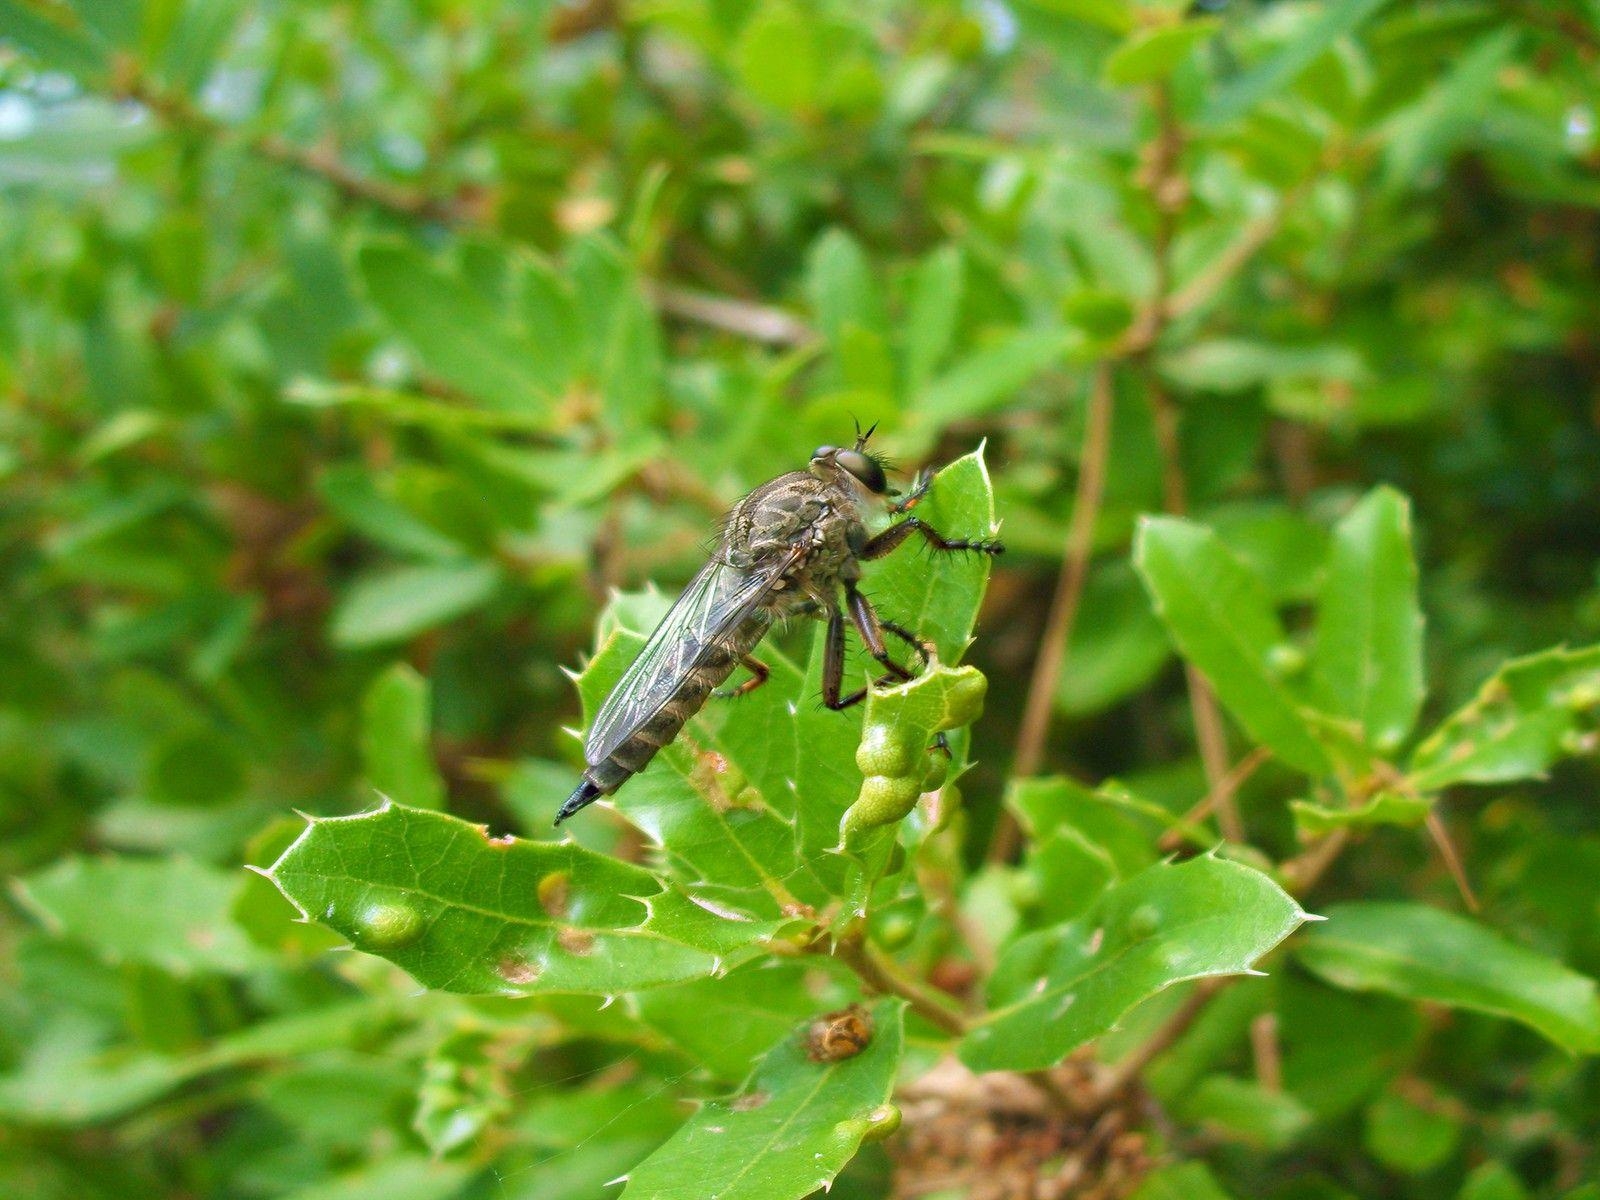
x=1386 y=808
x=1406 y=1137
x=53 y=36
x=170 y=913
x=1115 y=15
x=1451 y=111
x=1530 y=713
x=397 y=738
x=720 y=800
x=353 y=494
x=841 y=288
x=1219 y=615
x=1056 y=989
x=1245 y=1111
x=1186 y=1181
x=402 y=603
x=778 y=58
x=457 y=332
x=1421 y=953
x=989 y=377
x=933 y=305
x=1236 y=364
x=1492 y=1181
x=195 y=768
x=1154 y=54
x=1367 y=662
x=464 y=912
x=790 y=1130
x=1274 y=74
x=397 y=1177
x=78 y=1085
x=727 y=1023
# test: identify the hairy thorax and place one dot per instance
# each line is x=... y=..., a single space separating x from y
x=797 y=511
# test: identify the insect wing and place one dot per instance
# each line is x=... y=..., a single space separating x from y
x=716 y=601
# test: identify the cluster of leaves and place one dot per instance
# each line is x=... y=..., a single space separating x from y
x=356 y=354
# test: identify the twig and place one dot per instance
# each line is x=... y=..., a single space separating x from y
x=1228 y=785
x=757 y=322
x=881 y=975
x=1125 y=1070
x=1452 y=859
x=1267 y=1051
x=1064 y=604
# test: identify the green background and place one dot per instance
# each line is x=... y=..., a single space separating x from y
x=352 y=354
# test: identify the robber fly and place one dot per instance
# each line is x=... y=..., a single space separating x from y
x=792 y=547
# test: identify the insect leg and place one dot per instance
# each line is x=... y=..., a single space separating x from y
x=865 y=619
x=891 y=537
x=920 y=648
x=759 y=674
x=833 y=667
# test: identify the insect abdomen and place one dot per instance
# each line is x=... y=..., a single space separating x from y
x=715 y=663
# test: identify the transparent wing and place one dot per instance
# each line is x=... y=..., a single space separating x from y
x=716 y=601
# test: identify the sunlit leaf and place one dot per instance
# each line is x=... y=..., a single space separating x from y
x=465 y=912
x=1057 y=988
x=790 y=1129
x=170 y=913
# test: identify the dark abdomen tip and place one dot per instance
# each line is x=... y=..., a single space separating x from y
x=585 y=794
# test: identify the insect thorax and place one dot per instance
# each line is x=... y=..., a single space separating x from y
x=797 y=511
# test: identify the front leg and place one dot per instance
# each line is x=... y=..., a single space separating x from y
x=833 y=667
x=891 y=537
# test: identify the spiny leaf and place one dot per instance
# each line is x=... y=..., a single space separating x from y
x=788 y=1132
x=464 y=912
x=1530 y=713
x=1055 y=989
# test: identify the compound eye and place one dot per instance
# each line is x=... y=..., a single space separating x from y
x=865 y=469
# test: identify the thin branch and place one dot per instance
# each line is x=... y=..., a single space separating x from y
x=881 y=975
x=1267 y=1051
x=1452 y=859
x=757 y=322
x=1064 y=604
x=1227 y=786
x=1125 y=1070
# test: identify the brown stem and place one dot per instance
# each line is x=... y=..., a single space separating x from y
x=1064 y=604
x=1452 y=859
x=758 y=322
x=1228 y=786
x=1267 y=1051
x=881 y=975
x=1125 y=1070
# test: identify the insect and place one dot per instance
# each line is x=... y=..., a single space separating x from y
x=792 y=547
x=839 y=1035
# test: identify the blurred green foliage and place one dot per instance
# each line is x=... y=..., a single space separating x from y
x=354 y=354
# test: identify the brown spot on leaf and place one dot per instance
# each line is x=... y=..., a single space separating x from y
x=517 y=969
x=576 y=941
x=750 y=1101
x=554 y=892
